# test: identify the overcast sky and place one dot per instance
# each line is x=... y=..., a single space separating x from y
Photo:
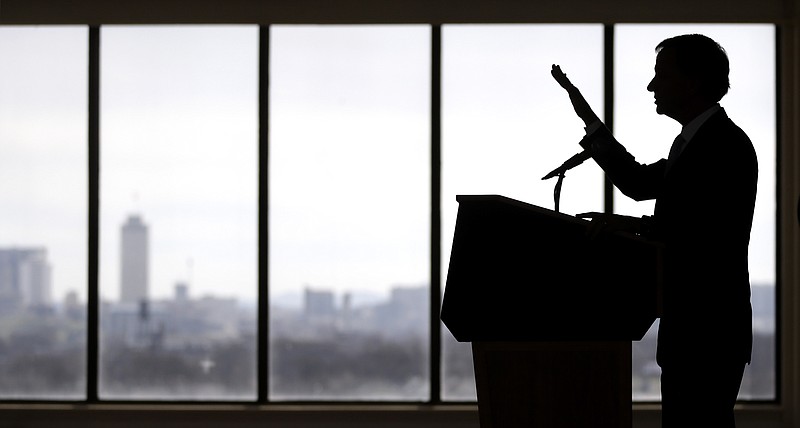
x=349 y=131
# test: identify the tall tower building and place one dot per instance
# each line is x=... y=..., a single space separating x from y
x=134 y=274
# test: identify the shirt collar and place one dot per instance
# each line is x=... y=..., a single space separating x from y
x=692 y=127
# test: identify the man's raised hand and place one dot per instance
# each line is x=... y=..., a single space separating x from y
x=561 y=78
x=582 y=108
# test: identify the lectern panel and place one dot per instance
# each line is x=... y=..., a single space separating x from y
x=553 y=384
x=523 y=273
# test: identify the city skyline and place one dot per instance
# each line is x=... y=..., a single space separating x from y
x=185 y=334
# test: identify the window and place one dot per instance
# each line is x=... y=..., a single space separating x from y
x=349 y=212
x=751 y=104
x=347 y=199
x=43 y=249
x=178 y=271
x=505 y=124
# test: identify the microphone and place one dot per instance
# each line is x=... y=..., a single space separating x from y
x=569 y=164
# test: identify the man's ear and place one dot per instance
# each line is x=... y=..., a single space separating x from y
x=694 y=87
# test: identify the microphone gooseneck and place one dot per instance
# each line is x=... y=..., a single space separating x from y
x=560 y=171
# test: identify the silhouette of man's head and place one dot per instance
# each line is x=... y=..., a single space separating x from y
x=702 y=58
x=691 y=74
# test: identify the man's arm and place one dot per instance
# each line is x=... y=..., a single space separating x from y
x=582 y=108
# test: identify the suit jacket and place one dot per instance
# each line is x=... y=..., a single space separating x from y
x=703 y=215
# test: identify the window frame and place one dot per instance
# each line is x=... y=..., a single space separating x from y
x=263 y=339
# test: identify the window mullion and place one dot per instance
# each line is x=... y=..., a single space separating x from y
x=608 y=104
x=435 y=299
x=92 y=315
x=263 y=216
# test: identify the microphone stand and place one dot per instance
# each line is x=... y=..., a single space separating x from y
x=566 y=166
x=557 y=190
x=560 y=171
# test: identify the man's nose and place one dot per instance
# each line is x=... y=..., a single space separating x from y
x=650 y=86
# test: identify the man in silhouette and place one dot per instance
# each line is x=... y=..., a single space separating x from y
x=705 y=194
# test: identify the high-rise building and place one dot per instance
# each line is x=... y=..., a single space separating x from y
x=181 y=292
x=25 y=277
x=134 y=272
x=319 y=303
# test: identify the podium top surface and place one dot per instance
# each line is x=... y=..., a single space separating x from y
x=488 y=198
x=499 y=199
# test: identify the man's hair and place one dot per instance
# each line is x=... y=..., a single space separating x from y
x=702 y=58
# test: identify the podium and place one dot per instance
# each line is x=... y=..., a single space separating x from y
x=550 y=312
